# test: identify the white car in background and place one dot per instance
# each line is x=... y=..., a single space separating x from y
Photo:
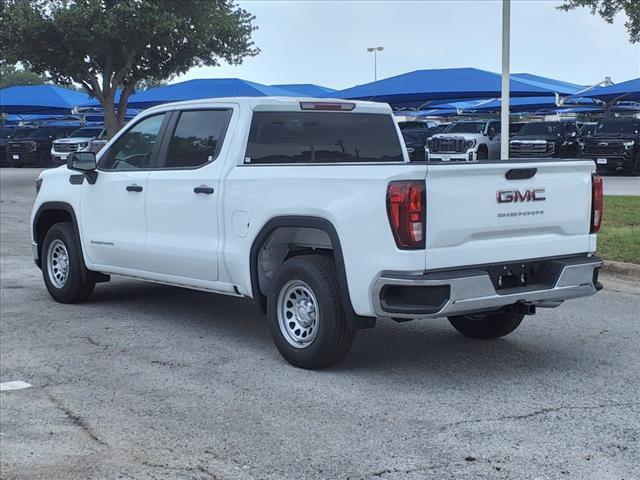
x=467 y=141
x=85 y=139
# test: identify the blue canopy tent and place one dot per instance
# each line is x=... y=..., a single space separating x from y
x=205 y=88
x=416 y=89
x=519 y=105
x=40 y=99
x=549 y=83
x=627 y=91
x=306 y=89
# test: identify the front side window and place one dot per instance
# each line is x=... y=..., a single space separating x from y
x=322 y=137
x=134 y=149
x=197 y=138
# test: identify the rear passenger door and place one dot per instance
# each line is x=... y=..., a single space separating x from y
x=183 y=195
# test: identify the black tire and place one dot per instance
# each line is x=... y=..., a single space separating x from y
x=333 y=338
x=487 y=326
x=77 y=285
x=483 y=154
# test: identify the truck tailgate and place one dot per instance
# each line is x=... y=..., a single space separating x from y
x=477 y=215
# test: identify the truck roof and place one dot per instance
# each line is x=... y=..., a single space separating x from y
x=275 y=103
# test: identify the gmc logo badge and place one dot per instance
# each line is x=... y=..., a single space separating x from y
x=516 y=196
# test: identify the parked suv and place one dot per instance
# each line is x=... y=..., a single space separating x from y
x=312 y=208
x=468 y=141
x=545 y=139
x=615 y=145
x=82 y=140
x=32 y=146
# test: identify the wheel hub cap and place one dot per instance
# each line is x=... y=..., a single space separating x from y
x=58 y=263
x=298 y=313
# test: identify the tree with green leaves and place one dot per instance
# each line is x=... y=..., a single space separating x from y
x=608 y=9
x=12 y=76
x=109 y=46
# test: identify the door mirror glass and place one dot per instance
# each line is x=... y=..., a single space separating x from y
x=81 y=161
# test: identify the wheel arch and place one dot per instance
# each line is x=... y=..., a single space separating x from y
x=306 y=222
x=48 y=214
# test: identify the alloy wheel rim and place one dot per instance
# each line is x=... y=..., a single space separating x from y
x=298 y=314
x=58 y=263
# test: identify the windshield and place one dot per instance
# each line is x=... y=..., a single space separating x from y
x=618 y=126
x=24 y=133
x=466 y=127
x=541 y=128
x=413 y=125
x=87 y=132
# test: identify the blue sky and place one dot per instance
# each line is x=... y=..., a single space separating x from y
x=324 y=42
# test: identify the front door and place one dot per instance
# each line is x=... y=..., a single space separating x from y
x=183 y=196
x=112 y=210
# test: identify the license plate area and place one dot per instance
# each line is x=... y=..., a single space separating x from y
x=521 y=274
x=601 y=161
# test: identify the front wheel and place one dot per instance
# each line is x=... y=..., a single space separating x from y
x=305 y=313
x=63 y=269
x=487 y=326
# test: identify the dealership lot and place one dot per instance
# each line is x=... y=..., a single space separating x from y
x=153 y=382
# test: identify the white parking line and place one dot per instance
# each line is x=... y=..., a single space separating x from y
x=15 y=385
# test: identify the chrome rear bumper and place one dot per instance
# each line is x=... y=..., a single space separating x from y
x=468 y=291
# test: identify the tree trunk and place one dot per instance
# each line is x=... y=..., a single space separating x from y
x=112 y=121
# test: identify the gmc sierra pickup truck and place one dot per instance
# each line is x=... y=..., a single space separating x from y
x=312 y=208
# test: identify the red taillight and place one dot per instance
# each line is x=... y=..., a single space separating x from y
x=406 y=210
x=596 y=203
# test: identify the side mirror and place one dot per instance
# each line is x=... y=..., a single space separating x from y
x=84 y=162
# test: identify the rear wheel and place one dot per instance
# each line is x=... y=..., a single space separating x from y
x=63 y=269
x=305 y=313
x=486 y=326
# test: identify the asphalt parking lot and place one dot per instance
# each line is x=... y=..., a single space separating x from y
x=151 y=382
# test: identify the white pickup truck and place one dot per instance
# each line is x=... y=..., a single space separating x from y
x=312 y=208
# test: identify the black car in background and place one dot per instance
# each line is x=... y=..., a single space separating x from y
x=31 y=146
x=615 y=145
x=514 y=128
x=415 y=136
x=5 y=134
x=558 y=139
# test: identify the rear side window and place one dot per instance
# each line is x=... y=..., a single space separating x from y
x=322 y=137
x=197 y=138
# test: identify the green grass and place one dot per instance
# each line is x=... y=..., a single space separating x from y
x=619 y=237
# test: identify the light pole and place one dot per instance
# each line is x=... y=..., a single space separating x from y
x=504 y=97
x=375 y=51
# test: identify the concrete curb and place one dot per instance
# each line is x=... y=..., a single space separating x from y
x=622 y=269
